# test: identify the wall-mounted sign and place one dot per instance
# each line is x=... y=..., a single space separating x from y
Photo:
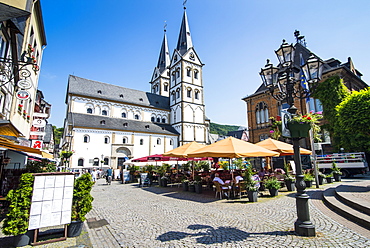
x=39 y=123
x=37 y=144
x=23 y=95
x=24 y=84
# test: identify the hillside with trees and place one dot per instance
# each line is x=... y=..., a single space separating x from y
x=222 y=129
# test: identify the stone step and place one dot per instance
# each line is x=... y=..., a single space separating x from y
x=354 y=197
x=330 y=199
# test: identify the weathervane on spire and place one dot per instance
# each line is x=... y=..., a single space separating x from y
x=165 y=26
x=184 y=3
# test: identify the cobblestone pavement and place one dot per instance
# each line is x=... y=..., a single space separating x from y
x=129 y=216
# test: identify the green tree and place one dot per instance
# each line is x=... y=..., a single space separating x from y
x=354 y=122
x=58 y=132
x=222 y=129
x=331 y=93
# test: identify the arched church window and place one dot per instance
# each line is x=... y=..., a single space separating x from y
x=166 y=87
x=89 y=110
x=123 y=115
x=158 y=119
x=137 y=117
x=152 y=119
x=178 y=73
x=141 y=142
x=86 y=138
x=80 y=162
x=178 y=93
x=104 y=112
x=196 y=96
x=188 y=72
x=171 y=142
x=173 y=96
x=189 y=93
x=158 y=141
x=163 y=120
x=196 y=74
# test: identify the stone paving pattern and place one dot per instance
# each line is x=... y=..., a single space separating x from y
x=169 y=217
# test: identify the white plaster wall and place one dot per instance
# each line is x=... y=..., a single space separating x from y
x=188 y=113
x=199 y=115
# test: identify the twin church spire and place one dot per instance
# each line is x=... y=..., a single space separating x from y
x=184 y=43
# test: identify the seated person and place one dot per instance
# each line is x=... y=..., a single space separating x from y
x=238 y=178
x=221 y=182
x=257 y=180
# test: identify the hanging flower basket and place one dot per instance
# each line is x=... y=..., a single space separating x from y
x=299 y=130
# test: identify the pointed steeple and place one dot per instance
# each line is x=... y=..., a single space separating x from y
x=184 y=42
x=164 y=55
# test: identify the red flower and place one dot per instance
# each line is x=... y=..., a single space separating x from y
x=309 y=118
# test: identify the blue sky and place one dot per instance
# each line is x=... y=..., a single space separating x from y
x=118 y=42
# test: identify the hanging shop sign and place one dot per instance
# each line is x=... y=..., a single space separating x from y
x=23 y=95
x=39 y=123
x=24 y=84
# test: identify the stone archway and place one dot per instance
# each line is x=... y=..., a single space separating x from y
x=122 y=154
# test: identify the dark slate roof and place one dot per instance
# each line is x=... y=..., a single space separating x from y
x=184 y=42
x=48 y=133
x=110 y=92
x=236 y=134
x=94 y=121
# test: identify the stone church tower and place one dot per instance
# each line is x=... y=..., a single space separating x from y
x=180 y=78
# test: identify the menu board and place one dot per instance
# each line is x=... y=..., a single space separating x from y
x=51 y=201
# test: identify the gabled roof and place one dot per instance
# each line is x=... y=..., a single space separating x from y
x=184 y=42
x=108 y=92
x=119 y=124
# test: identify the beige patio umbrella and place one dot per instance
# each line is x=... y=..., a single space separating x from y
x=232 y=148
x=284 y=149
x=184 y=150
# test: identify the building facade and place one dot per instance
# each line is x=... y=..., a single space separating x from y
x=261 y=106
x=107 y=125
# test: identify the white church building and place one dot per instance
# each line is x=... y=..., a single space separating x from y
x=106 y=124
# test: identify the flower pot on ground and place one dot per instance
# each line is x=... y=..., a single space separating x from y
x=24 y=239
x=198 y=187
x=163 y=181
x=191 y=187
x=336 y=172
x=321 y=179
x=252 y=196
x=337 y=177
x=16 y=220
x=81 y=203
x=308 y=179
x=273 y=185
x=290 y=184
x=329 y=178
x=185 y=185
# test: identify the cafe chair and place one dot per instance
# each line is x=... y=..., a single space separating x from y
x=221 y=190
x=240 y=189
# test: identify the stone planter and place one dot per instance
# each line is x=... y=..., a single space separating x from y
x=274 y=192
x=298 y=130
x=337 y=177
x=290 y=185
x=253 y=196
x=74 y=228
x=308 y=184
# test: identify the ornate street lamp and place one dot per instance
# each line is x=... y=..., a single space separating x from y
x=283 y=86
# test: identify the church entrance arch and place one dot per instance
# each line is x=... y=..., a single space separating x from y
x=123 y=154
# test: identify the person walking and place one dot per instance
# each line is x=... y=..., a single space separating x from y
x=109 y=175
x=94 y=175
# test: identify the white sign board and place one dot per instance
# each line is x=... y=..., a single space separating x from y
x=51 y=201
x=39 y=123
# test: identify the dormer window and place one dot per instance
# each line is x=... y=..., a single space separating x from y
x=141 y=99
x=125 y=124
x=99 y=92
x=121 y=95
x=102 y=122
x=157 y=103
x=147 y=126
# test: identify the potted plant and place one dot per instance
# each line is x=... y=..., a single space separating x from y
x=185 y=184
x=299 y=125
x=289 y=181
x=81 y=204
x=329 y=178
x=321 y=177
x=250 y=185
x=308 y=179
x=336 y=172
x=198 y=184
x=16 y=220
x=273 y=185
x=191 y=186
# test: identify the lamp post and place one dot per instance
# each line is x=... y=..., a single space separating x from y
x=101 y=162
x=284 y=85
